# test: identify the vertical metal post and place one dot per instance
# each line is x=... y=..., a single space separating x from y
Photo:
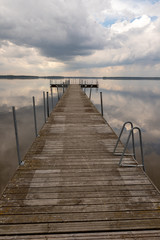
x=63 y=87
x=16 y=134
x=44 y=105
x=47 y=104
x=90 y=92
x=141 y=147
x=35 y=119
x=58 y=93
x=51 y=97
x=101 y=103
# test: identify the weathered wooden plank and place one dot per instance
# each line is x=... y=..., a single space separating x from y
x=77 y=178
x=127 y=235
x=98 y=169
x=78 y=201
x=55 y=174
x=80 y=226
x=61 y=189
x=80 y=217
x=81 y=183
x=48 y=209
x=65 y=195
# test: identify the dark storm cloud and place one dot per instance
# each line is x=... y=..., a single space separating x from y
x=58 y=29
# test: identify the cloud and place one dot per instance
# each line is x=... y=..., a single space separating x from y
x=71 y=35
x=57 y=29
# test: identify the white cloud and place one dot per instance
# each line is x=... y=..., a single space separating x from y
x=24 y=59
x=126 y=26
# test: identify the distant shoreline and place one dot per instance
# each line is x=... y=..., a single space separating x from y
x=62 y=77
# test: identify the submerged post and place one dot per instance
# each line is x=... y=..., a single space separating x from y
x=44 y=105
x=47 y=104
x=101 y=103
x=16 y=134
x=35 y=119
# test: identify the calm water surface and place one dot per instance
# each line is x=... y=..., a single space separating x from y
x=124 y=100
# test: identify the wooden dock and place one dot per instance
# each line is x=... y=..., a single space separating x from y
x=82 y=85
x=71 y=187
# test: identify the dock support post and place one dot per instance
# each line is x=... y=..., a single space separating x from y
x=90 y=92
x=52 y=97
x=35 y=119
x=16 y=134
x=47 y=104
x=63 y=87
x=44 y=105
x=101 y=103
x=58 y=93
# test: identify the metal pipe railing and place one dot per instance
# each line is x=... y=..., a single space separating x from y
x=101 y=103
x=47 y=104
x=35 y=118
x=90 y=93
x=46 y=111
x=119 y=138
x=141 y=148
x=51 y=97
x=44 y=106
x=16 y=135
x=131 y=135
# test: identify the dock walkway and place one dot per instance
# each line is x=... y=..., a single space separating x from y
x=71 y=187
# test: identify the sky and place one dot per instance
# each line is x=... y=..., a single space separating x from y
x=80 y=37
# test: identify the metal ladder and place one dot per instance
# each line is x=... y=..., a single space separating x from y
x=131 y=135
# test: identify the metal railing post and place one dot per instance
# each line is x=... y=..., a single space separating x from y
x=101 y=103
x=141 y=147
x=16 y=134
x=52 y=97
x=47 y=104
x=58 y=93
x=44 y=105
x=35 y=119
x=63 y=87
x=90 y=92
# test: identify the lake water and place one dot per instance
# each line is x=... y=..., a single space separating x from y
x=124 y=100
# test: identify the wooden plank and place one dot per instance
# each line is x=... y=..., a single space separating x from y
x=42 y=228
x=81 y=183
x=61 y=189
x=78 y=201
x=127 y=235
x=48 y=209
x=65 y=195
x=77 y=179
x=80 y=217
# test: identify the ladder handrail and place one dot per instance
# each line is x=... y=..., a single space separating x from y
x=133 y=145
x=141 y=147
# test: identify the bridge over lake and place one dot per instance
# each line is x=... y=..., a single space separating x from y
x=71 y=185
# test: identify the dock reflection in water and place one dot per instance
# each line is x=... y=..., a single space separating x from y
x=123 y=100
